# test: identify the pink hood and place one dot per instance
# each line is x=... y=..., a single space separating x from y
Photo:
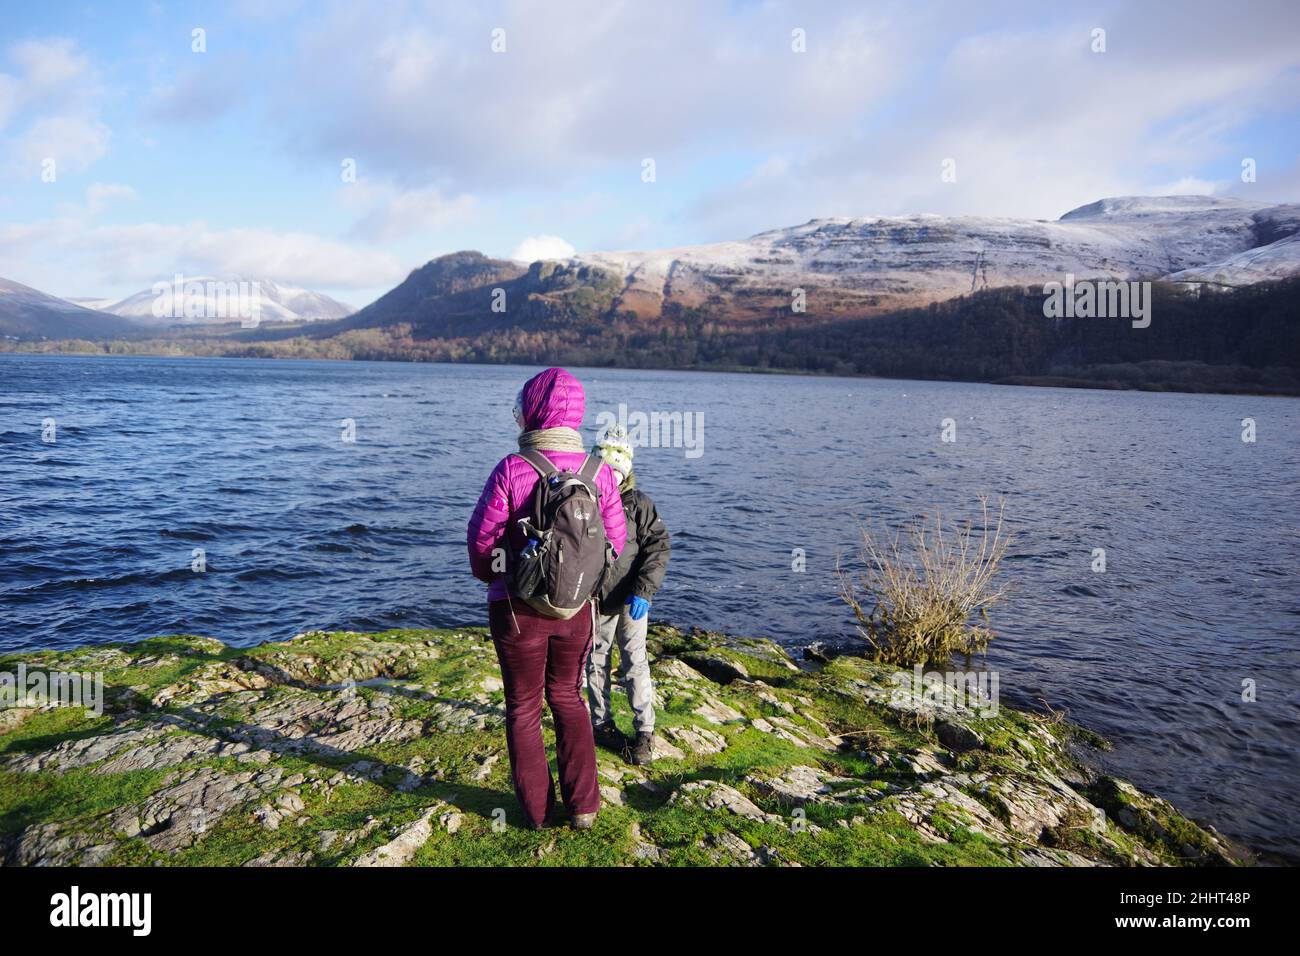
x=551 y=399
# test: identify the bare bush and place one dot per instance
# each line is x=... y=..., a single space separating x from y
x=929 y=588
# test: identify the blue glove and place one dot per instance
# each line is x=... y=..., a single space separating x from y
x=640 y=607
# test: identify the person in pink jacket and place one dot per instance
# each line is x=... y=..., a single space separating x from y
x=541 y=655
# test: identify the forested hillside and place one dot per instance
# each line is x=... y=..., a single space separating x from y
x=1246 y=339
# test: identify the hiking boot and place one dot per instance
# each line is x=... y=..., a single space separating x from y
x=643 y=749
x=608 y=736
x=583 y=821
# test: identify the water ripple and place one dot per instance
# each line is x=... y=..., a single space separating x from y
x=245 y=461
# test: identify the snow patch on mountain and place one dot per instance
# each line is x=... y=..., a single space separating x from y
x=27 y=313
x=1277 y=260
x=15 y=294
x=201 y=299
x=98 y=304
x=856 y=264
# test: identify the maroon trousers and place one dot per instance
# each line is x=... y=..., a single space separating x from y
x=540 y=655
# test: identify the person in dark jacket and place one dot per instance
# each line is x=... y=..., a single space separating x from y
x=624 y=609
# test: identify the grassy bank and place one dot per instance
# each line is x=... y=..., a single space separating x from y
x=388 y=749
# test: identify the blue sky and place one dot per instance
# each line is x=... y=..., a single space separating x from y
x=229 y=160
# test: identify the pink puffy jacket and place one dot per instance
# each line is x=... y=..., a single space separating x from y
x=551 y=399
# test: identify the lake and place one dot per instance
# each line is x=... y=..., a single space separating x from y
x=153 y=459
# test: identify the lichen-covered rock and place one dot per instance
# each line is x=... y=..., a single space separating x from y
x=219 y=677
x=731 y=849
x=1032 y=806
x=712 y=795
x=188 y=806
x=661 y=749
x=788 y=730
x=11 y=717
x=763 y=693
x=643 y=849
x=313 y=659
x=934 y=807
x=799 y=785
x=46 y=844
x=278 y=858
x=388 y=749
x=957 y=737
x=698 y=740
x=404 y=844
x=716 y=667
x=716 y=712
x=1156 y=820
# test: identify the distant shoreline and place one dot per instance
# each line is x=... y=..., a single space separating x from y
x=1018 y=381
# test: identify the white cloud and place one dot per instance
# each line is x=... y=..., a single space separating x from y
x=856 y=125
x=1037 y=124
x=51 y=253
x=53 y=71
x=73 y=142
x=199 y=95
x=548 y=137
x=394 y=213
x=542 y=247
x=151 y=249
x=419 y=92
x=101 y=195
x=1189 y=186
x=49 y=107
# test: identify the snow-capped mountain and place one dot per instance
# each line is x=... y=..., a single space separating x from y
x=27 y=313
x=203 y=299
x=98 y=304
x=869 y=264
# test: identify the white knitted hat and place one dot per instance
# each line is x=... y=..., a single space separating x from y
x=616 y=449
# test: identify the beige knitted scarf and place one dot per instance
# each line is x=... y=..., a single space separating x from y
x=551 y=439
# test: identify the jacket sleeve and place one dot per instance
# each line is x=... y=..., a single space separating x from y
x=487 y=525
x=655 y=548
x=611 y=509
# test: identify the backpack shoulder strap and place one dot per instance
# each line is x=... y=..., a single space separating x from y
x=541 y=464
x=589 y=470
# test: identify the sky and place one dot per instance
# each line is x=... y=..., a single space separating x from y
x=337 y=146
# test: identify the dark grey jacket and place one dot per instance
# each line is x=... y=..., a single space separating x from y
x=640 y=569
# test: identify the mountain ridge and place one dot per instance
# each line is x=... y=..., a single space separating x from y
x=30 y=314
x=846 y=267
x=275 y=302
x=731 y=304
x=27 y=313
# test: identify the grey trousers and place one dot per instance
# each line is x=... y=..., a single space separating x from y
x=634 y=670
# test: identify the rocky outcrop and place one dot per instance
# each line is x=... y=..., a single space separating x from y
x=406 y=841
x=859 y=266
x=387 y=750
x=844 y=267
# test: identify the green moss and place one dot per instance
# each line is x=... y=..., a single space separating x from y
x=77 y=795
x=49 y=728
x=467 y=772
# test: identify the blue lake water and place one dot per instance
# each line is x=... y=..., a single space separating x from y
x=154 y=458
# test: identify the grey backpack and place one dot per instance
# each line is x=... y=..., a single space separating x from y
x=561 y=566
